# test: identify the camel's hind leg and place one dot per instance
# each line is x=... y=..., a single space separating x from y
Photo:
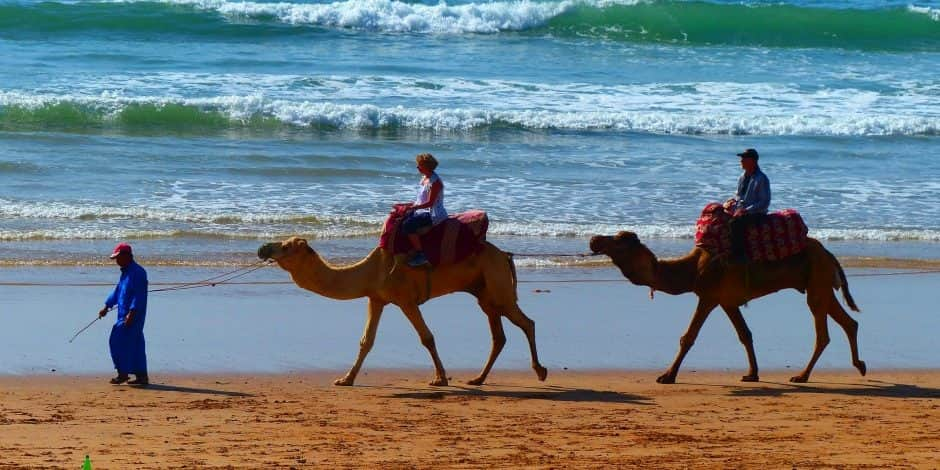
x=499 y=340
x=515 y=315
x=819 y=305
x=851 y=332
x=427 y=339
x=374 y=314
x=744 y=334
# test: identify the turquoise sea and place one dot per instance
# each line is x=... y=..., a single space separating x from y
x=197 y=128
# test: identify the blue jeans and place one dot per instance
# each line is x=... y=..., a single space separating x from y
x=416 y=221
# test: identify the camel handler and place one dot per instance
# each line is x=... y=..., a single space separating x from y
x=428 y=208
x=749 y=205
x=127 y=334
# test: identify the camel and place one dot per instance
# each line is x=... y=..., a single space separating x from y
x=814 y=272
x=384 y=278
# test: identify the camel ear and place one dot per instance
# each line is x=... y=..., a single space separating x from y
x=628 y=237
x=295 y=244
x=303 y=245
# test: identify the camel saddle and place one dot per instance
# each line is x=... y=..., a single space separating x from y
x=782 y=234
x=448 y=242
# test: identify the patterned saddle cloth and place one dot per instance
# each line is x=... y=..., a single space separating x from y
x=448 y=242
x=782 y=234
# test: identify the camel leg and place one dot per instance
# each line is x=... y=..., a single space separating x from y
x=365 y=344
x=850 y=326
x=515 y=315
x=499 y=340
x=744 y=334
x=819 y=307
x=687 y=340
x=427 y=339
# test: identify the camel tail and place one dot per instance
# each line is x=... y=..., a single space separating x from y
x=512 y=269
x=844 y=283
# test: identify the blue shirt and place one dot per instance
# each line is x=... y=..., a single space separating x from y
x=753 y=192
x=130 y=293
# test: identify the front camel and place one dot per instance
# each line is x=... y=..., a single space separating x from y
x=489 y=275
x=814 y=271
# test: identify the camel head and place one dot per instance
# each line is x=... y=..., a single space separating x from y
x=634 y=259
x=285 y=253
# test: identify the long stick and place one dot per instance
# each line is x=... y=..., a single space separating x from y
x=83 y=329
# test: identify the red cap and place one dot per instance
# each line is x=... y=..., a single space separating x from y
x=121 y=248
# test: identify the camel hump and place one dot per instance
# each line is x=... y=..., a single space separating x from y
x=782 y=234
x=450 y=241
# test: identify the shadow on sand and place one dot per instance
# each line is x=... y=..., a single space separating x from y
x=544 y=393
x=875 y=388
x=204 y=391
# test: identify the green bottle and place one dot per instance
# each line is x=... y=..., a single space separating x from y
x=87 y=464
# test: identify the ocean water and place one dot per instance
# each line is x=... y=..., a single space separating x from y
x=198 y=128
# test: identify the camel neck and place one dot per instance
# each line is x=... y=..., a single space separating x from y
x=336 y=282
x=675 y=276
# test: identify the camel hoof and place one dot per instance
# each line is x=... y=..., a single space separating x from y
x=666 y=379
x=750 y=378
x=343 y=382
x=862 y=369
x=476 y=381
x=438 y=383
x=799 y=379
x=541 y=372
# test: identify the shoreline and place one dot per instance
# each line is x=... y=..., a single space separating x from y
x=394 y=420
x=523 y=261
x=587 y=319
x=530 y=252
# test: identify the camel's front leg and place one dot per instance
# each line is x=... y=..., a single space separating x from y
x=365 y=344
x=688 y=339
x=427 y=339
x=744 y=334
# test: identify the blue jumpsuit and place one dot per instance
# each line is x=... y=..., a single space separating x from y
x=127 y=342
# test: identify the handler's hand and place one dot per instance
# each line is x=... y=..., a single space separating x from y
x=129 y=318
x=102 y=312
x=739 y=212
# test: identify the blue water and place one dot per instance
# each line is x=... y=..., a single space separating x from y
x=198 y=128
x=280 y=328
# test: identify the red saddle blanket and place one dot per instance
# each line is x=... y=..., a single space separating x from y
x=448 y=242
x=782 y=234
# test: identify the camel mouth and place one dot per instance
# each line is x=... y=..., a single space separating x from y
x=598 y=244
x=267 y=251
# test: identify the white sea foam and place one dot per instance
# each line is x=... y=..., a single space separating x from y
x=456 y=105
x=395 y=16
x=933 y=13
x=59 y=221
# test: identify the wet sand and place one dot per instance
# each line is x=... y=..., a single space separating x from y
x=391 y=419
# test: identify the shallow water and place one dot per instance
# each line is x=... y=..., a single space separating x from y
x=588 y=325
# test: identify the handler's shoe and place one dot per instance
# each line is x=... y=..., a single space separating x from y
x=140 y=379
x=121 y=378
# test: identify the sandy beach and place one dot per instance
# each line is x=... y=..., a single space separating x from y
x=391 y=419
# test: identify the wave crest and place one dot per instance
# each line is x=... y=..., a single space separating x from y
x=670 y=22
x=26 y=112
